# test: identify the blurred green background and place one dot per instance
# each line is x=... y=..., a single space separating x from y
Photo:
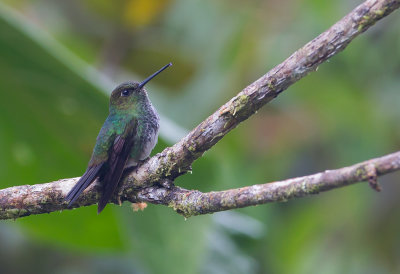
x=59 y=60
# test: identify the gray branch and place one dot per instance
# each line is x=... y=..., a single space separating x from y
x=152 y=180
x=192 y=202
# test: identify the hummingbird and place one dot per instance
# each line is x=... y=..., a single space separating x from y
x=128 y=136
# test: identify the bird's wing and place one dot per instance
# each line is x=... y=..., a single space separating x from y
x=118 y=157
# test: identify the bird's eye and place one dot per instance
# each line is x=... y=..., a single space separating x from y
x=125 y=92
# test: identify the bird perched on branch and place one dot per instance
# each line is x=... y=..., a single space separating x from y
x=128 y=135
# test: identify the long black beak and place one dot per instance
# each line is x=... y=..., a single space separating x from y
x=145 y=81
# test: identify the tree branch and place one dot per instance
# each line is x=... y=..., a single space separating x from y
x=192 y=202
x=176 y=160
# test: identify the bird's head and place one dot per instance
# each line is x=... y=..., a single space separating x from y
x=129 y=94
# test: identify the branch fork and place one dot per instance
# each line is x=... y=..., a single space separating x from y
x=141 y=184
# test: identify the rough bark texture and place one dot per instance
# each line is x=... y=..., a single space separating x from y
x=192 y=202
x=176 y=160
x=22 y=201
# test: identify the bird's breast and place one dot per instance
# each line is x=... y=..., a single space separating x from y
x=145 y=138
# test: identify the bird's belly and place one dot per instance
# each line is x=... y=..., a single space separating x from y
x=143 y=145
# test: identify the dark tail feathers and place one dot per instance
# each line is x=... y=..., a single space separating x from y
x=87 y=178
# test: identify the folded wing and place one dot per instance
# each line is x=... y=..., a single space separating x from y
x=118 y=157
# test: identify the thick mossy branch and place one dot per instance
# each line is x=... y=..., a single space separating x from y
x=174 y=161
